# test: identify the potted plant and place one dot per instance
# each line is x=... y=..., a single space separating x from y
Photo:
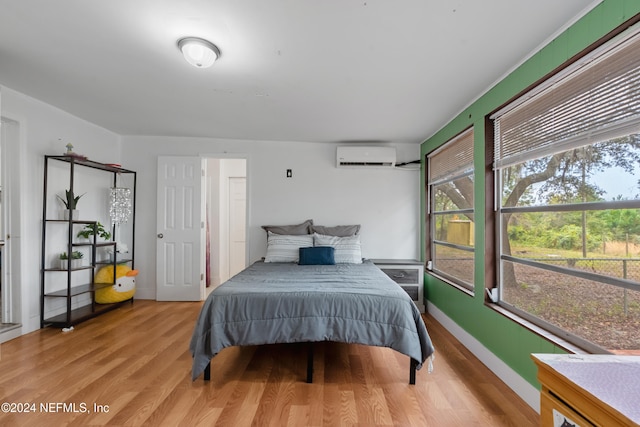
x=70 y=203
x=64 y=260
x=76 y=260
x=94 y=228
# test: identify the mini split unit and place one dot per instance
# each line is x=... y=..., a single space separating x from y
x=365 y=156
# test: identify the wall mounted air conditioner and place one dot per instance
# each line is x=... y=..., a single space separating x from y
x=357 y=156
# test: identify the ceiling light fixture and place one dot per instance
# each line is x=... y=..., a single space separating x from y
x=198 y=52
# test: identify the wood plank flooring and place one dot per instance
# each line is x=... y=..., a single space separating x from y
x=132 y=367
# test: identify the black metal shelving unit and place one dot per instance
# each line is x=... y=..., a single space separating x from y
x=74 y=315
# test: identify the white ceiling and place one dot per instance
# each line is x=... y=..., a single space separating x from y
x=323 y=70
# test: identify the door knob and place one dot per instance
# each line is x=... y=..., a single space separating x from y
x=160 y=235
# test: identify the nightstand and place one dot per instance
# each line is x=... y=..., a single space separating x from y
x=407 y=273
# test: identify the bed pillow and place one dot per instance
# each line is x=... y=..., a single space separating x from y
x=347 y=249
x=290 y=230
x=338 y=230
x=317 y=255
x=286 y=247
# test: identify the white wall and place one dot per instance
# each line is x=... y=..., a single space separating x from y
x=384 y=201
x=41 y=128
x=213 y=202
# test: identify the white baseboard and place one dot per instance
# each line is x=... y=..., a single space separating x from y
x=9 y=334
x=145 y=293
x=519 y=385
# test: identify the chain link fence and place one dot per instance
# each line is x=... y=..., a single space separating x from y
x=621 y=268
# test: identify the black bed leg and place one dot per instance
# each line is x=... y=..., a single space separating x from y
x=310 y=363
x=412 y=371
x=207 y=372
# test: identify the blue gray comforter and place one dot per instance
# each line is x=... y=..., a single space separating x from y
x=271 y=303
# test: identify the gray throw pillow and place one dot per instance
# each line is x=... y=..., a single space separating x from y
x=291 y=230
x=338 y=230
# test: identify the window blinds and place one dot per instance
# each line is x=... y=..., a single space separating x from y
x=594 y=100
x=454 y=159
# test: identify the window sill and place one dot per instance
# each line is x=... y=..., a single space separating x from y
x=554 y=339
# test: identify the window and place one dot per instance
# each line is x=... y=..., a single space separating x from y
x=567 y=162
x=450 y=222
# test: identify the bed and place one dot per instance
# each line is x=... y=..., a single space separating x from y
x=284 y=302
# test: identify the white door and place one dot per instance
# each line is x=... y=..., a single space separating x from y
x=237 y=224
x=180 y=220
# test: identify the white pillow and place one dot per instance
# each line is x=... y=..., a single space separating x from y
x=347 y=249
x=285 y=247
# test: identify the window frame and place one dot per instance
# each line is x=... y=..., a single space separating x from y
x=495 y=211
x=430 y=242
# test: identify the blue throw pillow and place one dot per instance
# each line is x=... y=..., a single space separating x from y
x=317 y=255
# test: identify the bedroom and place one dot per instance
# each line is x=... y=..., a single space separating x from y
x=273 y=197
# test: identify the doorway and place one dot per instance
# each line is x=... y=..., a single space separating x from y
x=226 y=198
x=9 y=221
x=195 y=237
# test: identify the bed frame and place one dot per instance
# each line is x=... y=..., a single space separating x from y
x=412 y=368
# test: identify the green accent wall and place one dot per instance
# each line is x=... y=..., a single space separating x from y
x=509 y=341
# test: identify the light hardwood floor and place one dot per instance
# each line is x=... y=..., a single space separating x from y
x=134 y=363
